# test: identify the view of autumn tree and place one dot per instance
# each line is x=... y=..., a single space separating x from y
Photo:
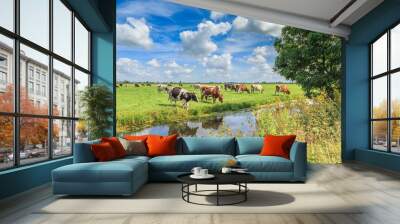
x=33 y=130
x=380 y=127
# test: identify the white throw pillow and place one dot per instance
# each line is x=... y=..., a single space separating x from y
x=134 y=147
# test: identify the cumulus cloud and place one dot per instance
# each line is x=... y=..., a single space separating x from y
x=217 y=15
x=130 y=69
x=218 y=63
x=174 y=69
x=134 y=33
x=198 y=43
x=242 y=24
x=261 y=67
x=154 y=62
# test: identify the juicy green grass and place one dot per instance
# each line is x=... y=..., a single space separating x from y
x=144 y=106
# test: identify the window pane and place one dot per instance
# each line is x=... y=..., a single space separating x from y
x=62 y=29
x=7 y=14
x=33 y=139
x=34 y=97
x=81 y=45
x=379 y=55
x=62 y=89
x=395 y=138
x=62 y=138
x=35 y=21
x=6 y=74
x=379 y=97
x=6 y=142
x=395 y=94
x=81 y=82
x=395 y=47
x=81 y=131
x=379 y=135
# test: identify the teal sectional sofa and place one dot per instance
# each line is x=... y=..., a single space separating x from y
x=125 y=176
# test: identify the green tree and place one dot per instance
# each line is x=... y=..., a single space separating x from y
x=311 y=59
x=97 y=102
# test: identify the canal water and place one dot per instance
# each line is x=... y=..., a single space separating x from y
x=241 y=123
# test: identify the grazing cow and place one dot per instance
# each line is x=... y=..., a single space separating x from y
x=241 y=88
x=229 y=86
x=213 y=92
x=178 y=93
x=137 y=85
x=257 y=87
x=162 y=87
x=282 y=89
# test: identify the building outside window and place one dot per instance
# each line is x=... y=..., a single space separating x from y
x=34 y=75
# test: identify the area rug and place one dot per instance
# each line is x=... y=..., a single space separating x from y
x=166 y=198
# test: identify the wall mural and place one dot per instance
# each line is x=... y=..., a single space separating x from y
x=198 y=72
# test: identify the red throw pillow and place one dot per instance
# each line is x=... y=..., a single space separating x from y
x=277 y=145
x=103 y=152
x=116 y=145
x=161 y=145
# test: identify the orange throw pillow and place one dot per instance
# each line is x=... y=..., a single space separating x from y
x=277 y=145
x=161 y=145
x=103 y=152
x=116 y=145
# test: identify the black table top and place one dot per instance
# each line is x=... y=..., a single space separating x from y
x=220 y=178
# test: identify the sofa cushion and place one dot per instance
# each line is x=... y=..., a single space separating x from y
x=161 y=145
x=185 y=163
x=277 y=145
x=249 y=145
x=116 y=145
x=112 y=171
x=257 y=163
x=206 y=145
x=103 y=152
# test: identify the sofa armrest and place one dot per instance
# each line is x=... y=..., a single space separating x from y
x=83 y=152
x=298 y=155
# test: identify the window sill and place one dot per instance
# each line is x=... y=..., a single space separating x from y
x=30 y=166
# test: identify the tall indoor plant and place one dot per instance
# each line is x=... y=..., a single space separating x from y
x=97 y=104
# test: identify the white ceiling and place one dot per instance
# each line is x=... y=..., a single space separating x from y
x=316 y=15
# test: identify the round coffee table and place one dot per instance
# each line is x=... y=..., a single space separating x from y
x=238 y=179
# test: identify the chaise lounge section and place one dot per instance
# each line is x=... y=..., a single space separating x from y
x=125 y=176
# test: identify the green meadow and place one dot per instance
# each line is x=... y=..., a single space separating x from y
x=145 y=106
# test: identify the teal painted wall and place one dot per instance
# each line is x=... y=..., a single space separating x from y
x=99 y=15
x=356 y=84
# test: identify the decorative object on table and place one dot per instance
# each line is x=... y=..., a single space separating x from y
x=239 y=195
x=97 y=104
x=231 y=163
x=200 y=173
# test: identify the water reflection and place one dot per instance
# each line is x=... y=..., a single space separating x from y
x=231 y=124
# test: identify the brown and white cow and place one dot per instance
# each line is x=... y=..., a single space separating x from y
x=241 y=88
x=282 y=89
x=213 y=92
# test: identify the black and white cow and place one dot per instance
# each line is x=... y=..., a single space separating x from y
x=178 y=93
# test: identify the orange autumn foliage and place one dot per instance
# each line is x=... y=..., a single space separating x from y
x=33 y=130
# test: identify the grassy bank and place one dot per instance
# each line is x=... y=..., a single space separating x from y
x=144 y=106
x=316 y=122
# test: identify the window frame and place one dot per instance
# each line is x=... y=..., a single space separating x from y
x=16 y=114
x=388 y=74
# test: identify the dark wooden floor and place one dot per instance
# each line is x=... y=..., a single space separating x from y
x=376 y=188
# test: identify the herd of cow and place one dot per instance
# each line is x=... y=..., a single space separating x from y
x=178 y=93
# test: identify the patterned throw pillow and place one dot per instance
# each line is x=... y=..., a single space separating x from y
x=134 y=147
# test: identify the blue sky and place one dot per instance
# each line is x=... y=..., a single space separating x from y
x=162 y=41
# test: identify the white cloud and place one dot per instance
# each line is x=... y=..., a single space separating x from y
x=218 y=63
x=261 y=69
x=141 y=8
x=217 y=15
x=174 y=69
x=130 y=69
x=198 y=43
x=249 y=25
x=135 y=33
x=154 y=62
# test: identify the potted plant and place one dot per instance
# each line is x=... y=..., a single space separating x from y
x=97 y=104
